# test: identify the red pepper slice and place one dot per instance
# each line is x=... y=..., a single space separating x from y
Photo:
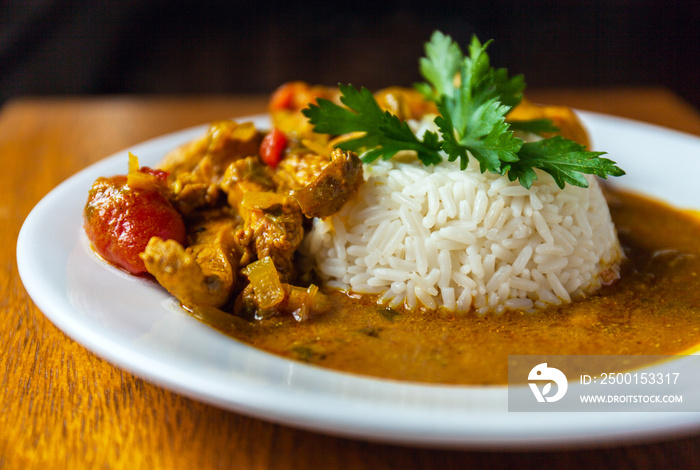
x=272 y=147
x=160 y=174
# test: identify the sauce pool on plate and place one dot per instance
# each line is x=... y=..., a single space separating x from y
x=652 y=310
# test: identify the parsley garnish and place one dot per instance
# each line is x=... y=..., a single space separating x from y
x=472 y=122
x=384 y=134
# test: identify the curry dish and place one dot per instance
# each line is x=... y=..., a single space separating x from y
x=219 y=224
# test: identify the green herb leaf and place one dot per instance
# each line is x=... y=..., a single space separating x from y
x=472 y=119
x=564 y=159
x=443 y=59
x=485 y=136
x=534 y=126
x=508 y=90
x=473 y=100
x=389 y=313
x=384 y=134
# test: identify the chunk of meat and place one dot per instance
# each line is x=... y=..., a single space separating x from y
x=245 y=175
x=195 y=196
x=267 y=296
x=336 y=183
x=196 y=189
x=224 y=142
x=204 y=273
x=272 y=227
x=299 y=169
x=197 y=168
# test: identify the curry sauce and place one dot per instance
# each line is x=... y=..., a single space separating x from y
x=652 y=310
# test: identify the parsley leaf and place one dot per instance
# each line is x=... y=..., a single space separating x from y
x=564 y=159
x=472 y=119
x=534 y=126
x=473 y=100
x=384 y=134
x=485 y=136
x=508 y=90
x=443 y=59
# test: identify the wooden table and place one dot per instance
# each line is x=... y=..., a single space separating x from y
x=63 y=407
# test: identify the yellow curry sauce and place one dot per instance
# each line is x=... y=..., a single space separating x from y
x=653 y=309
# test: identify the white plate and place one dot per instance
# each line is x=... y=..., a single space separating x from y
x=134 y=324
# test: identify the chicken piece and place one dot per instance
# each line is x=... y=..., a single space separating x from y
x=267 y=296
x=204 y=273
x=299 y=169
x=197 y=167
x=245 y=175
x=192 y=190
x=194 y=196
x=224 y=142
x=272 y=221
x=303 y=303
x=336 y=183
x=563 y=117
x=272 y=227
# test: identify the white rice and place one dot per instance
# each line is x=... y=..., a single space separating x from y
x=437 y=236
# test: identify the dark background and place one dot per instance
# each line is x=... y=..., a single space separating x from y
x=225 y=46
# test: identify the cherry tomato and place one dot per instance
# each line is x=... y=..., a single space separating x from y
x=272 y=147
x=120 y=220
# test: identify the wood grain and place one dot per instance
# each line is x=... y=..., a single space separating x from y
x=63 y=407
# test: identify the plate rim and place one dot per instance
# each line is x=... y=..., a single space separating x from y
x=625 y=429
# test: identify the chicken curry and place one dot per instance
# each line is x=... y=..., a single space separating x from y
x=219 y=223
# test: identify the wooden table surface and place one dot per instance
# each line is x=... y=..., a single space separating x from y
x=63 y=407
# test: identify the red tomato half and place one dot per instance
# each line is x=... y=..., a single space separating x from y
x=119 y=221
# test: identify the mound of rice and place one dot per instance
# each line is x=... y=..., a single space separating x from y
x=438 y=236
